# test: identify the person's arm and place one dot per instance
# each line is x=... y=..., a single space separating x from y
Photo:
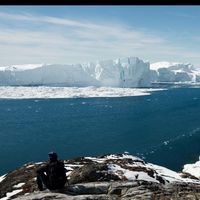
x=42 y=169
x=64 y=169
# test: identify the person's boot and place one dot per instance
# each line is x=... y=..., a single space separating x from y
x=40 y=188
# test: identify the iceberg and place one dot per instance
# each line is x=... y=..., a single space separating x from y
x=121 y=73
x=174 y=72
x=125 y=72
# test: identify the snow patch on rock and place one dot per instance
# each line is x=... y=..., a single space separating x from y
x=2 y=177
x=193 y=169
x=10 y=194
x=19 y=185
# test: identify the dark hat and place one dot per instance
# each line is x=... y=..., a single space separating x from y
x=52 y=155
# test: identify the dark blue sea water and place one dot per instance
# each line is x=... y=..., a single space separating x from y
x=164 y=128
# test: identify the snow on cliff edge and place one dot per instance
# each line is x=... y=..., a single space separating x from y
x=193 y=169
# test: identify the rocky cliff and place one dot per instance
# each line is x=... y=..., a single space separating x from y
x=105 y=177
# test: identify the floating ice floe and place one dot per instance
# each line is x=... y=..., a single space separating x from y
x=70 y=92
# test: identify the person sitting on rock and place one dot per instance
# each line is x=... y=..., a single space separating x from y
x=52 y=175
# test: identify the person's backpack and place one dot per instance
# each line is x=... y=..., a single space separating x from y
x=57 y=175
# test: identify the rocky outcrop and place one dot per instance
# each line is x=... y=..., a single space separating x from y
x=104 y=177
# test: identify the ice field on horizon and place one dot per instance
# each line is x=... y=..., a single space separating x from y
x=9 y=92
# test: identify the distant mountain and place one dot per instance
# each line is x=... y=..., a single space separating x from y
x=122 y=72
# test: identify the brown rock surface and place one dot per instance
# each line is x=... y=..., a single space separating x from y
x=105 y=177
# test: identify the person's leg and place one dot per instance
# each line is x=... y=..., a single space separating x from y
x=61 y=184
x=42 y=180
x=39 y=182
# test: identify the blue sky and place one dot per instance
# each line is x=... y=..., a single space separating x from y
x=76 y=34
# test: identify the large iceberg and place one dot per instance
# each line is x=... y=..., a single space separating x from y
x=51 y=75
x=124 y=72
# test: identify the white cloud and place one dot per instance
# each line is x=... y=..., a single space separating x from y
x=61 y=40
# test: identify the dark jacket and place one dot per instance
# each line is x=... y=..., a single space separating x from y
x=55 y=174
